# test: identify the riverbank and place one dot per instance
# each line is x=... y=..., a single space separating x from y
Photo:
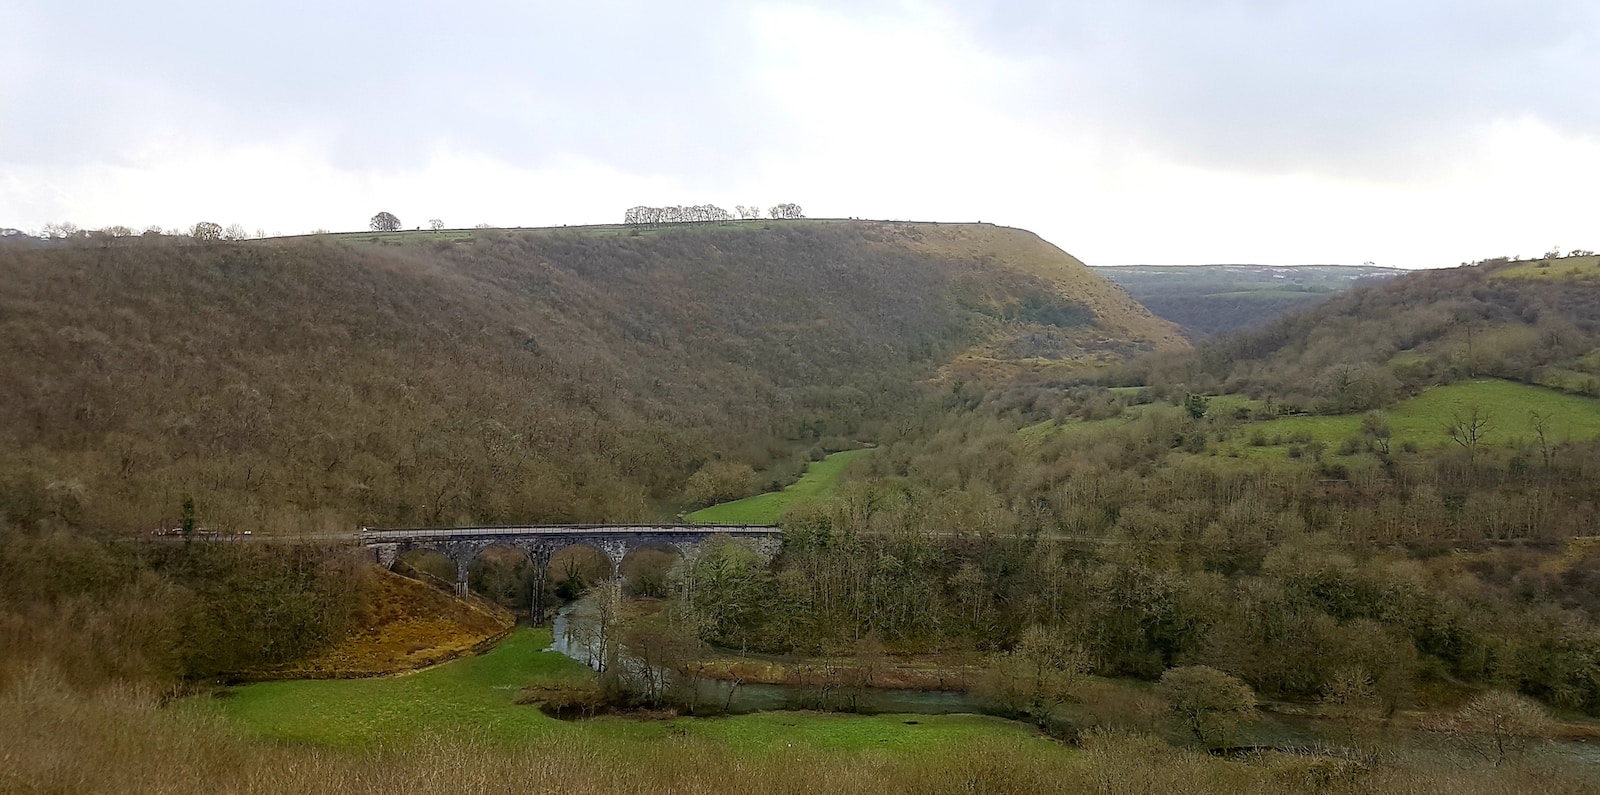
x=477 y=696
x=462 y=717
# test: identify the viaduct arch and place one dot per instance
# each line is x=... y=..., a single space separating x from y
x=462 y=545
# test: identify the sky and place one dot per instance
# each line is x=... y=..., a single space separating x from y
x=1407 y=133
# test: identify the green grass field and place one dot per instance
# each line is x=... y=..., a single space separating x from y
x=1270 y=292
x=476 y=697
x=1575 y=268
x=1423 y=420
x=818 y=483
x=584 y=230
x=1040 y=431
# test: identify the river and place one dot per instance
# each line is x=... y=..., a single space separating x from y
x=573 y=633
x=1419 y=748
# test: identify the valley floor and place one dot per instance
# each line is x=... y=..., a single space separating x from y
x=456 y=728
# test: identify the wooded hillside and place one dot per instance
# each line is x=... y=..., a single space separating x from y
x=1536 y=322
x=548 y=375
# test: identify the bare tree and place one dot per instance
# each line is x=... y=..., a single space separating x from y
x=435 y=224
x=385 y=222
x=60 y=231
x=1500 y=724
x=1468 y=431
x=786 y=211
x=1375 y=430
x=1541 y=422
x=206 y=232
x=235 y=232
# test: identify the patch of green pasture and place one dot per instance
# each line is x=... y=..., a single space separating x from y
x=818 y=483
x=1569 y=380
x=1424 y=419
x=768 y=731
x=1269 y=293
x=1038 y=432
x=1227 y=405
x=476 y=698
x=1558 y=269
x=475 y=694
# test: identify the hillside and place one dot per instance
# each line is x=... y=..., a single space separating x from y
x=1537 y=322
x=1207 y=300
x=497 y=376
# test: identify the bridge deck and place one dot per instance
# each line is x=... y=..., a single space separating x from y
x=407 y=533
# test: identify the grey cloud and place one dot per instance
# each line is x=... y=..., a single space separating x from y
x=642 y=86
x=1302 y=84
x=1358 y=86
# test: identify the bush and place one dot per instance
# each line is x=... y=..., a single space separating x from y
x=1208 y=703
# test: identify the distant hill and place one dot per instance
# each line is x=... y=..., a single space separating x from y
x=1535 y=321
x=499 y=375
x=1206 y=300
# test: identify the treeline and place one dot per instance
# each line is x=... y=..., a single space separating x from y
x=1155 y=476
x=545 y=376
x=1303 y=617
x=704 y=214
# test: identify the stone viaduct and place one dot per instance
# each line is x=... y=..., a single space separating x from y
x=462 y=545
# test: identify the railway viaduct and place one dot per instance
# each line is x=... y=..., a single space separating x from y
x=463 y=544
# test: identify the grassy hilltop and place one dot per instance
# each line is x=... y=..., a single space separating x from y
x=499 y=376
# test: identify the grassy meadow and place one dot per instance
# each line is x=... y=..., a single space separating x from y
x=477 y=697
x=1424 y=420
x=1584 y=268
x=817 y=484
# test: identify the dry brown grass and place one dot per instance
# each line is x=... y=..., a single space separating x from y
x=404 y=624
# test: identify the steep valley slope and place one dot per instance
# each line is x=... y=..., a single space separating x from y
x=310 y=385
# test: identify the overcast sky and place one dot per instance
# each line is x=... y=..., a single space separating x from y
x=1412 y=133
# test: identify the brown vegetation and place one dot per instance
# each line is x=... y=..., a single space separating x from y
x=400 y=625
x=1369 y=347
x=304 y=385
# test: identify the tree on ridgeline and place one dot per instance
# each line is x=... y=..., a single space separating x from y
x=786 y=211
x=385 y=222
x=675 y=214
x=436 y=225
x=206 y=232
